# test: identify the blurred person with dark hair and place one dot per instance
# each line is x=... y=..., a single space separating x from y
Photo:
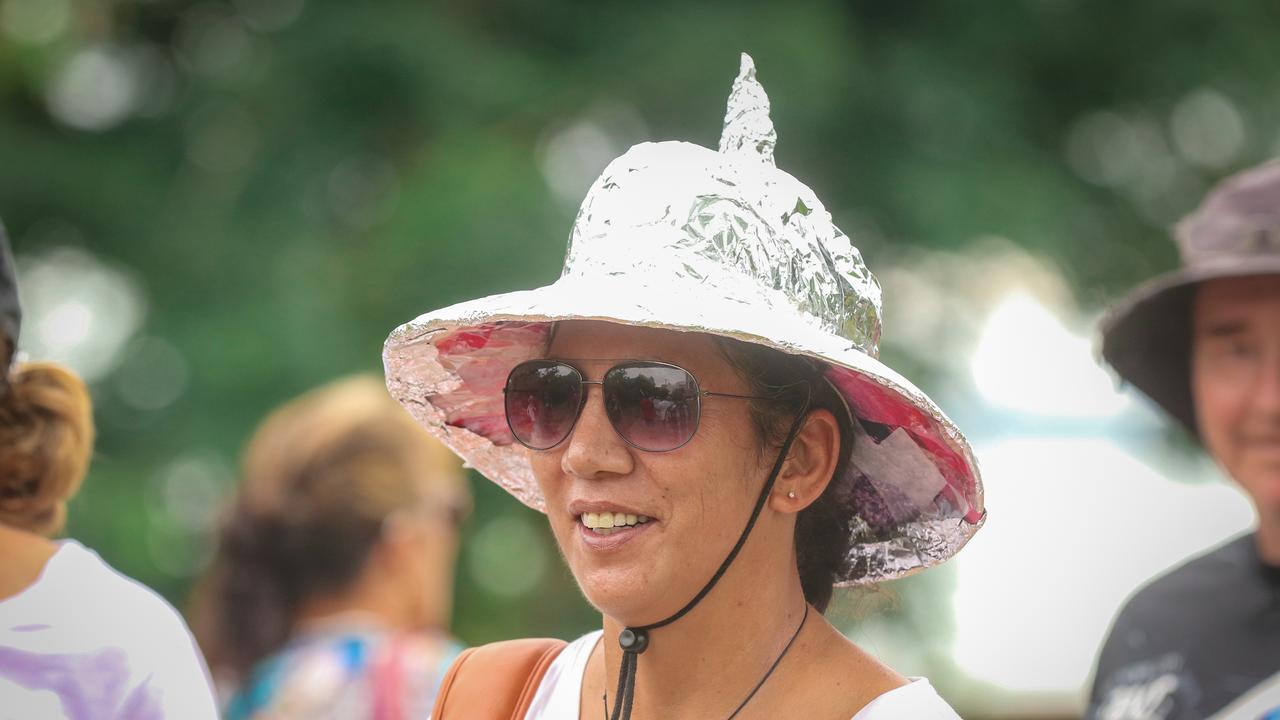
x=77 y=639
x=331 y=591
x=1204 y=343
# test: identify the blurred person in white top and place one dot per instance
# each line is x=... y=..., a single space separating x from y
x=78 y=640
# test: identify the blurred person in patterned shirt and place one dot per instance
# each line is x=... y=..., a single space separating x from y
x=331 y=590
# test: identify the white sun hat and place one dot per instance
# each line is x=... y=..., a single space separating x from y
x=677 y=236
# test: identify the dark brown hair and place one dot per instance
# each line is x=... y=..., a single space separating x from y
x=823 y=532
x=46 y=438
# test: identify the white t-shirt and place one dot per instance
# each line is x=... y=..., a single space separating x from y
x=557 y=696
x=84 y=641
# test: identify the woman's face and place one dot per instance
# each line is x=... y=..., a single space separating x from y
x=697 y=498
x=418 y=554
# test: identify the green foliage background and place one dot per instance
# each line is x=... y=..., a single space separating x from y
x=920 y=124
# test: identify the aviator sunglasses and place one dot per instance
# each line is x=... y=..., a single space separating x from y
x=653 y=406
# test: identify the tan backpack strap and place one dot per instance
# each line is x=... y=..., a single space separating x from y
x=495 y=681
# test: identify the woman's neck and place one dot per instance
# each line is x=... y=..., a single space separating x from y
x=704 y=664
x=25 y=557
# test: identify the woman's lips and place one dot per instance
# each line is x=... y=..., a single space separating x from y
x=578 y=508
x=617 y=538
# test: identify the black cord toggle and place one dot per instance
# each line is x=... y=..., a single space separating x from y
x=633 y=641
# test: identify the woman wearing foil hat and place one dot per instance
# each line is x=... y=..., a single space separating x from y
x=697 y=407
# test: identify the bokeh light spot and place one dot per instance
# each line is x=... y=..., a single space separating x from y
x=95 y=90
x=152 y=375
x=269 y=15
x=190 y=487
x=83 y=310
x=34 y=22
x=573 y=154
x=507 y=556
x=1207 y=129
x=221 y=139
x=212 y=40
x=363 y=190
x=1102 y=148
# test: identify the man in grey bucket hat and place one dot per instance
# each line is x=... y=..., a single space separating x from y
x=1204 y=343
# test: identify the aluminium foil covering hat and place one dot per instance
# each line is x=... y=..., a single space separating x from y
x=677 y=236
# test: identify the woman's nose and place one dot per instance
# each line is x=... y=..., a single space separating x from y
x=594 y=450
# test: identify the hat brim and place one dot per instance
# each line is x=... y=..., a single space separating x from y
x=448 y=369
x=1146 y=337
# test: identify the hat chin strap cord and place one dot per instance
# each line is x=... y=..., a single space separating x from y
x=635 y=640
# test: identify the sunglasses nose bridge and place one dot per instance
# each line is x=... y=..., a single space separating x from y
x=586 y=396
x=604 y=417
x=593 y=447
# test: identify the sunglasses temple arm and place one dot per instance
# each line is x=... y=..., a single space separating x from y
x=707 y=393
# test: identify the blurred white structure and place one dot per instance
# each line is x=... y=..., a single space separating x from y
x=1084 y=505
x=1075 y=525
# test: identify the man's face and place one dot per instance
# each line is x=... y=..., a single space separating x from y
x=1235 y=381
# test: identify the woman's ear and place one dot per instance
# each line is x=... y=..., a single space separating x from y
x=810 y=463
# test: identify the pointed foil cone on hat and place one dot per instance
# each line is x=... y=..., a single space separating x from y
x=748 y=129
x=674 y=235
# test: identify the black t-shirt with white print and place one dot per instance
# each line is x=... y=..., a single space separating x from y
x=1193 y=640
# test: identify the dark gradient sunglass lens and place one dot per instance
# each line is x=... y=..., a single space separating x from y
x=655 y=407
x=542 y=402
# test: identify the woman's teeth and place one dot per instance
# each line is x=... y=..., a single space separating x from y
x=606 y=522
